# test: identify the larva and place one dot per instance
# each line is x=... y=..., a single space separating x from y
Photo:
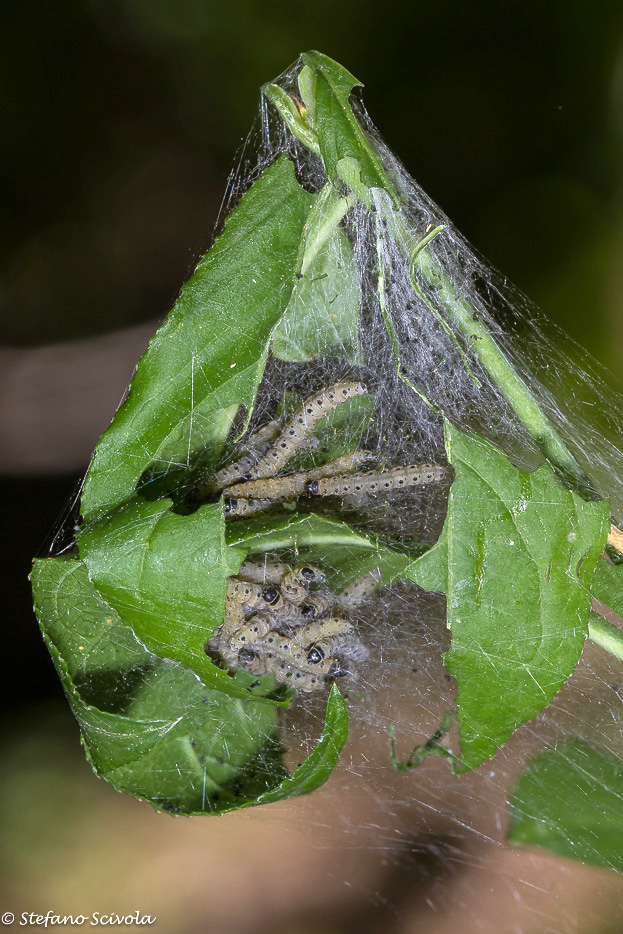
x=359 y=590
x=259 y=626
x=269 y=600
x=285 y=649
x=256 y=445
x=317 y=603
x=322 y=630
x=280 y=488
x=233 y=506
x=269 y=571
x=295 y=583
x=253 y=596
x=250 y=632
x=374 y=481
x=273 y=571
x=297 y=431
x=284 y=672
x=234 y=617
x=345 y=646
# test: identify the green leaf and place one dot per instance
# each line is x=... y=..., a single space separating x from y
x=84 y=634
x=322 y=318
x=166 y=736
x=166 y=575
x=223 y=752
x=317 y=768
x=570 y=801
x=339 y=132
x=296 y=121
x=431 y=570
x=607 y=585
x=211 y=351
x=515 y=560
x=343 y=552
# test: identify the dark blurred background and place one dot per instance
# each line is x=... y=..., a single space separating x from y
x=122 y=119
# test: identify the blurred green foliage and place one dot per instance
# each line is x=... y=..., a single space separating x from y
x=122 y=119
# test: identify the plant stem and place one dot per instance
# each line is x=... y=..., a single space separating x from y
x=502 y=372
x=606 y=635
x=491 y=356
x=420 y=294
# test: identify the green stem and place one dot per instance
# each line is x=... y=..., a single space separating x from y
x=490 y=355
x=502 y=372
x=606 y=635
x=422 y=751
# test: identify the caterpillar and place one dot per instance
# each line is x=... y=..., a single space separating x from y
x=250 y=632
x=359 y=590
x=295 y=584
x=257 y=444
x=273 y=571
x=296 y=432
x=284 y=648
x=323 y=629
x=317 y=604
x=254 y=596
x=284 y=672
x=374 y=481
x=279 y=488
x=345 y=646
x=232 y=506
x=269 y=571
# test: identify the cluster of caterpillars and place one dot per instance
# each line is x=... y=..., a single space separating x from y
x=285 y=622
x=279 y=620
x=253 y=483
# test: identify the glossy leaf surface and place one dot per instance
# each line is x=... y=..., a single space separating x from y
x=570 y=801
x=515 y=560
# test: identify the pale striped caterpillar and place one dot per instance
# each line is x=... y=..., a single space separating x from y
x=272 y=588
x=285 y=672
x=297 y=431
x=253 y=596
x=280 y=488
x=279 y=615
x=245 y=507
x=250 y=632
x=269 y=571
x=317 y=603
x=291 y=580
x=374 y=481
x=359 y=590
x=274 y=624
x=322 y=630
x=301 y=656
x=328 y=484
x=271 y=600
x=310 y=652
x=256 y=445
x=295 y=584
x=346 y=647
